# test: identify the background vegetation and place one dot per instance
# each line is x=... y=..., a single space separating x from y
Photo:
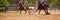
x=4 y=3
x=55 y=3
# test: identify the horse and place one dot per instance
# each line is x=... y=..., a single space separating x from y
x=25 y=8
x=45 y=8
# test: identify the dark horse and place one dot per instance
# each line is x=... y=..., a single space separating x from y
x=40 y=7
x=25 y=8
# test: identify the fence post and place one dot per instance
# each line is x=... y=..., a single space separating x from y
x=36 y=5
x=4 y=7
x=16 y=5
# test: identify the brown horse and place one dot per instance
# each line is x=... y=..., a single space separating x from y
x=26 y=8
x=45 y=8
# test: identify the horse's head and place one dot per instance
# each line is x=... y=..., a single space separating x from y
x=46 y=5
x=19 y=4
x=39 y=3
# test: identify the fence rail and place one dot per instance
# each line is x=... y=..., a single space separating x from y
x=13 y=7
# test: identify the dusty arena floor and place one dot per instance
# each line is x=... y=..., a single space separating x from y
x=55 y=15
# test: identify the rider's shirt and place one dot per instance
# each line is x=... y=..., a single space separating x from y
x=23 y=3
x=42 y=2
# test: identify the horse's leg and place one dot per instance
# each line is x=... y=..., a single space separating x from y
x=20 y=11
x=39 y=12
x=29 y=12
x=25 y=11
x=36 y=10
x=46 y=11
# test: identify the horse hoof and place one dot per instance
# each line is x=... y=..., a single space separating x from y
x=47 y=13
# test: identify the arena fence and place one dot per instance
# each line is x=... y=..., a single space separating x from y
x=13 y=7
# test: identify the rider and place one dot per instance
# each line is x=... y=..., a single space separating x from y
x=42 y=2
x=23 y=4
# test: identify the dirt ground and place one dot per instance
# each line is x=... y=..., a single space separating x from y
x=17 y=16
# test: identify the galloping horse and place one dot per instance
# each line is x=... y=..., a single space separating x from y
x=25 y=8
x=40 y=7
